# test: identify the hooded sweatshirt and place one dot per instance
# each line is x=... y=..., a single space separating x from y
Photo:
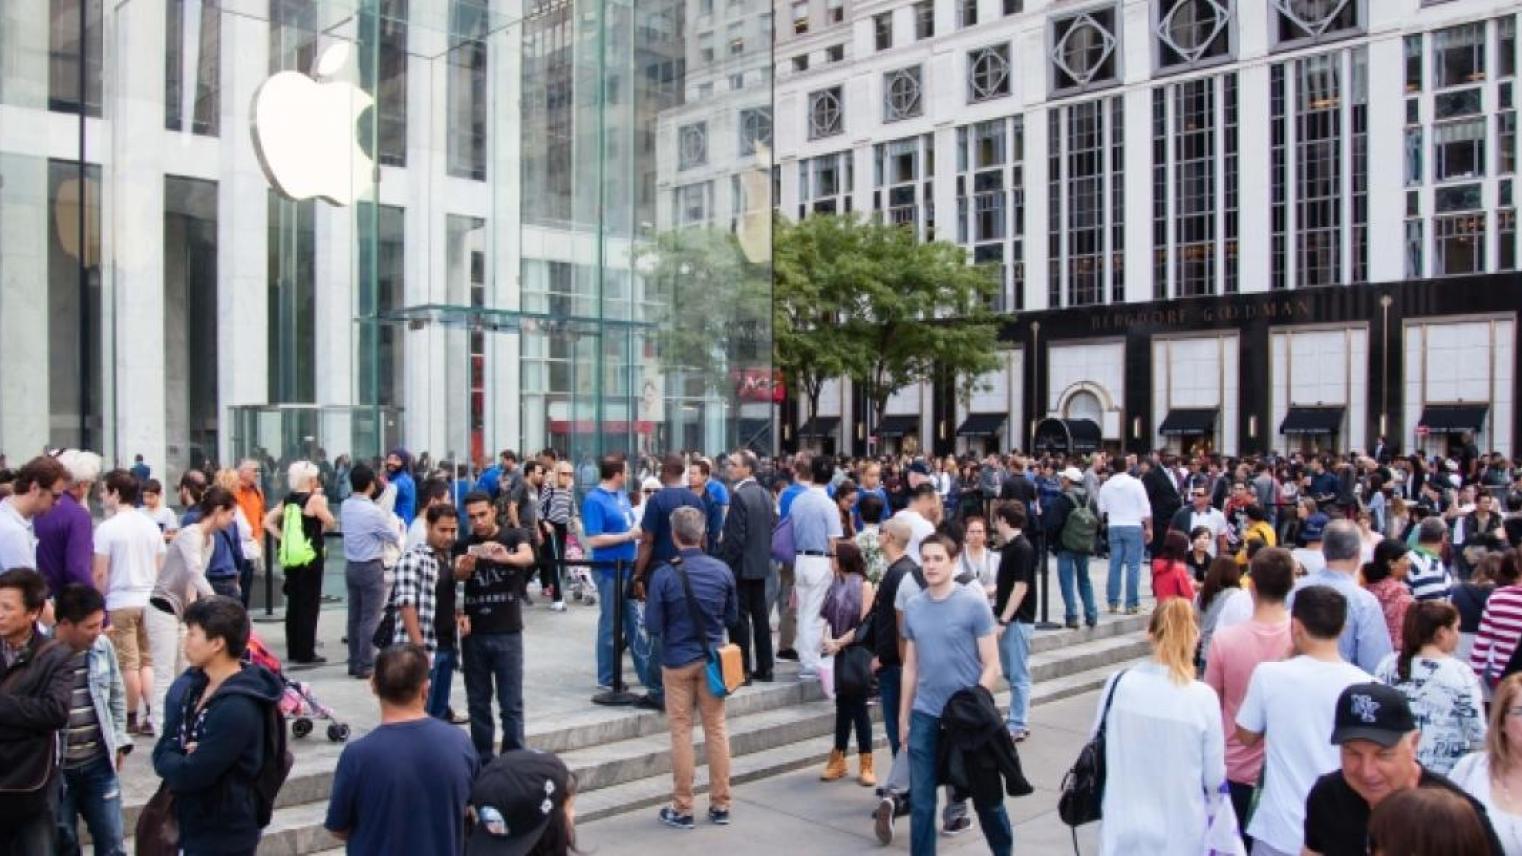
x=214 y=797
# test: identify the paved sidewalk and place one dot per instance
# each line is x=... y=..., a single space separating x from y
x=798 y=814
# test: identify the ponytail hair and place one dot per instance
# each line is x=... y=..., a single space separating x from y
x=1174 y=636
x=1423 y=620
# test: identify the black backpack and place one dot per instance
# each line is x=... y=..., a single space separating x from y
x=275 y=767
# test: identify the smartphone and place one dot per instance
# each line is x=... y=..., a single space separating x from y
x=476 y=550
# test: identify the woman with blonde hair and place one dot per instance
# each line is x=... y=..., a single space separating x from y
x=242 y=538
x=1164 y=749
x=306 y=511
x=1494 y=775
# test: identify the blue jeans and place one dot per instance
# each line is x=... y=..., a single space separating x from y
x=440 y=682
x=1071 y=568
x=924 y=732
x=366 y=582
x=94 y=792
x=494 y=657
x=226 y=586
x=889 y=686
x=1014 y=658
x=639 y=650
x=1125 y=549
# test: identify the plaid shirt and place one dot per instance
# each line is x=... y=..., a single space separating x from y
x=417 y=577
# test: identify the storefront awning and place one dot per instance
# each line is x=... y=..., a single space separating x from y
x=1312 y=420
x=820 y=426
x=1189 y=421
x=898 y=426
x=1069 y=436
x=1454 y=418
x=982 y=425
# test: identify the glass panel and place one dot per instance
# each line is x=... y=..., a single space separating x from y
x=191 y=418
x=193 y=65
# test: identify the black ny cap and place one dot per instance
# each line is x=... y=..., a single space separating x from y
x=1372 y=712
x=513 y=799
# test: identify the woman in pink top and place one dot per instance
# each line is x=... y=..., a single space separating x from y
x=1235 y=651
x=1385 y=578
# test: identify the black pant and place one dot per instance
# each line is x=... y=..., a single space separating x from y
x=550 y=557
x=1241 y=801
x=848 y=713
x=755 y=621
x=29 y=835
x=303 y=598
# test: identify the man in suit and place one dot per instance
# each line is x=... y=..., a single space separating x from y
x=746 y=548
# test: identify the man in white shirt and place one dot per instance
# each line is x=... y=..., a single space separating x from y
x=38 y=484
x=1200 y=513
x=923 y=502
x=1291 y=703
x=816 y=528
x=1123 y=502
x=129 y=551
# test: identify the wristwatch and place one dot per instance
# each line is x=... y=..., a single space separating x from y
x=1003 y=623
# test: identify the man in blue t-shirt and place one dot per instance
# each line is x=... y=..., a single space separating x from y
x=715 y=501
x=403 y=787
x=607 y=521
x=656 y=546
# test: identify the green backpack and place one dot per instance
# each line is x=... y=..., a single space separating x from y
x=1081 y=527
x=296 y=549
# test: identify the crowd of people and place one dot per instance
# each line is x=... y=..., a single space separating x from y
x=1333 y=636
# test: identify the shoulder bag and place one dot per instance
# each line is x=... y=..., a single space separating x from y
x=1083 y=787
x=726 y=666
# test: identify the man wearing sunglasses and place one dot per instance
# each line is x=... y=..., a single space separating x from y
x=1200 y=513
x=38 y=485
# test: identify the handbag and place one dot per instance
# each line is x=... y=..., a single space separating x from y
x=158 y=832
x=385 y=629
x=853 y=664
x=1083 y=787
x=784 y=550
x=726 y=666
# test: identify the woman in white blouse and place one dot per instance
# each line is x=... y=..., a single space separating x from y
x=976 y=559
x=1494 y=776
x=1165 y=754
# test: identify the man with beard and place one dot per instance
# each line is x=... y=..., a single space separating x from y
x=399 y=473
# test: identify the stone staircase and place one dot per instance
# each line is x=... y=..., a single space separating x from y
x=623 y=762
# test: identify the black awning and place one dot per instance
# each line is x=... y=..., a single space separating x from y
x=898 y=426
x=1454 y=418
x=1069 y=436
x=1312 y=420
x=1189 y=420
x=982 y=425
x=820 y=426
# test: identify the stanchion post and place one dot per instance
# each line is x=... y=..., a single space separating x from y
x=618 y=695
x=1045 y=582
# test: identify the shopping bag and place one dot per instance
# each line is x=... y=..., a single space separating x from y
x=827 y=676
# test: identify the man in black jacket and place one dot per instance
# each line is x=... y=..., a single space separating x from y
x=35 y=685
x=746 y=547
x=893 y=539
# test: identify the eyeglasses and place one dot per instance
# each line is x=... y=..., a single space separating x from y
x=647 y=492
x=1514 y=711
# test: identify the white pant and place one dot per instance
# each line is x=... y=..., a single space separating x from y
x=165 y=644
x=811 y=582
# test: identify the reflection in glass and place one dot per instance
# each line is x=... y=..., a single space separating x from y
x=382 y=289
x=292 y=300
x=74 y=306
x=383 y=72
x=64 y=61
x=466 y=94
x=190 y=323
x=193 y=52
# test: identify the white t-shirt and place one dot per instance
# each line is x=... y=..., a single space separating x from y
x=135 y=547
x=1312 y=560
x=919 y=529
x=1237 y=609
x=1292 y=704
x=1211 y=519
x=163 y=518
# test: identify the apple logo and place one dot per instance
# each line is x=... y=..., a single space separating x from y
x=304 y=132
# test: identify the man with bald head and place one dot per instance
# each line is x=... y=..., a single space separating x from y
x=1365 y=638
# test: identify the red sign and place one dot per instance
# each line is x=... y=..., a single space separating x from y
x=1422 y=430
x=759 y=385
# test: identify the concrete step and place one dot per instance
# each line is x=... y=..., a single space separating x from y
x=623 y=762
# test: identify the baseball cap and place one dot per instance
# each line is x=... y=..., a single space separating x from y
x=514 y=798
x=650 y=483
x=1372 y=712
x=920 y=467
x=1072 y=474
x=1315 y=527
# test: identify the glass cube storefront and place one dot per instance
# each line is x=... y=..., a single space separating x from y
x=327 y=227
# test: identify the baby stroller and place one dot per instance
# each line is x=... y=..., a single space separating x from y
x=297 y=703
x=578 y=578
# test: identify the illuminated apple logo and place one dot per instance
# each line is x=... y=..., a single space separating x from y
x=304 y=132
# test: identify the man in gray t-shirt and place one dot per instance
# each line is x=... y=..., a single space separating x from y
x=945 y=634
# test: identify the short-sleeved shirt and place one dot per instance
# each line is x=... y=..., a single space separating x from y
x=1234 y=654
x=1017 y=564
x=403 y=788
x=494 y=593
x=657 y=521
x=18 y=549
x=945 y=634
x=1365 y=638
x=816 y=519
x=1337 y=818
x=607 y=512
x=134 y=544
x=919 y=530
x=789 y=495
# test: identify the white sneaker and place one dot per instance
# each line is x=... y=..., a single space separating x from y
x=558 y=606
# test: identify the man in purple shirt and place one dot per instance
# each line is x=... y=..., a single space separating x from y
x=65 y=535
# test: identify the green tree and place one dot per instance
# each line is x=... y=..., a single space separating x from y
x=815 y=263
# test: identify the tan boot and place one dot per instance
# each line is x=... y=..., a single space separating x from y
x=866 y=778
x=836 y=768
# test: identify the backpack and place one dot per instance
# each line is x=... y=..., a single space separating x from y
x=1081 y=527
x=275 y=767
x=295 y=548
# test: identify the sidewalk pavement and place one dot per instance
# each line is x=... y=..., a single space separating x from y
x=797 y=813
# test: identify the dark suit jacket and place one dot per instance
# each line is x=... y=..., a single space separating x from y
x=747 y=543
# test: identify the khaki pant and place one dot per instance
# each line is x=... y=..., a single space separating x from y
x=787 y=614
x=684 y=686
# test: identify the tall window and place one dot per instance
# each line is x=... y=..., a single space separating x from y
x=379 y=356
x=882 y=31
x=73 y=305
x=1086 y=241
x=190 y=321
x=1319 y=140
x=192 y=65
x=967 y=13
x=924 y=19
x=904 y=170
x=1193 y=149
x=825 y=184
x=991 y=202
x=383 y=71
x=292 y=272
x=466 y=90
x=72 y=54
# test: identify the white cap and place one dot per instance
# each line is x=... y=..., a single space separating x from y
x=1072 y=474
x=650 y=483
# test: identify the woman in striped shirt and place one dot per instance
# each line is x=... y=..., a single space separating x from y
x=1500 y=628
x=557 y=500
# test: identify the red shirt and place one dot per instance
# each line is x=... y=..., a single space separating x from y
x=1170 y=580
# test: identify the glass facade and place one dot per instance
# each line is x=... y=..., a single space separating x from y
x=496 y=243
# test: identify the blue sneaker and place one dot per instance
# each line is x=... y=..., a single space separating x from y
x=718 y=816
x=676 y=821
